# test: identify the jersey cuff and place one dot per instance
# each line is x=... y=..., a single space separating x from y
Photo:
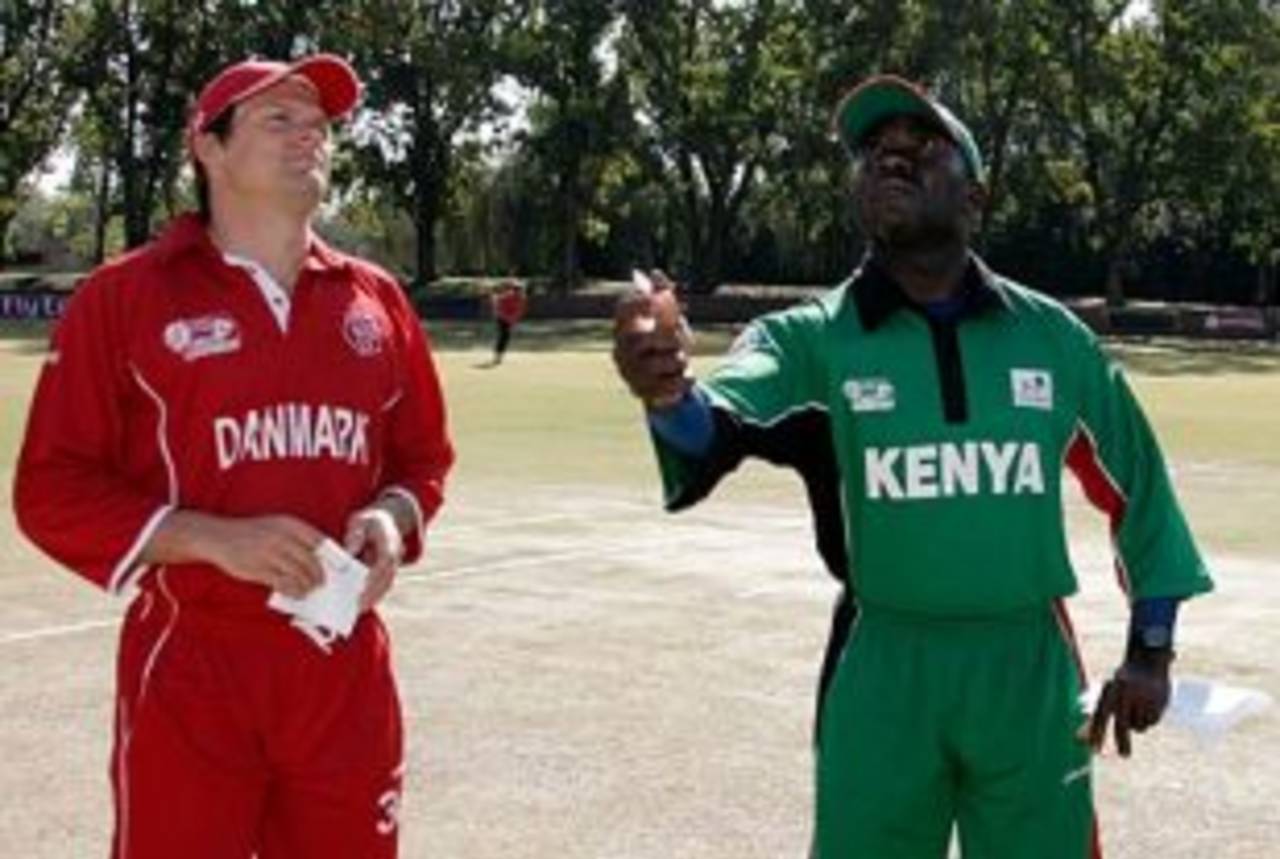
x=412 y=542
x=128 y=571
x=687 y=426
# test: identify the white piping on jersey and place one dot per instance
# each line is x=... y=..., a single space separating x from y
x=277 y=297
x=126 y=729
x=1083 y=429
x=393 y=399
x=419 y=518
x=813 y=405
x=162 y=431
x=127 y=571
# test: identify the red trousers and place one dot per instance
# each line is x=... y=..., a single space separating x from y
x=237 y=736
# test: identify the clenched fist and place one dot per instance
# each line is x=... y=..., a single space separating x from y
x=651 y=342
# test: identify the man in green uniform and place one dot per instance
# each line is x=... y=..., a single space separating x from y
x=930 y=404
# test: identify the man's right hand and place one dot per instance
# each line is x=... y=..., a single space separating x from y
x=651 y=343
x=276 y=551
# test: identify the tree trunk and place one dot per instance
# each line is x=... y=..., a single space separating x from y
x=426 y=211
x=1118 y=255
x=1115 y=282
x=568 y=276
x=6 y=218
x=692 y=223
x=717 y=237
x=102 y=213
x=137 y=225
x=1264 y=294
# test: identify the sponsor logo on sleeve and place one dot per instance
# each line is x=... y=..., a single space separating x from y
x=202 y=336
x=1032 y=389
x=870 y=395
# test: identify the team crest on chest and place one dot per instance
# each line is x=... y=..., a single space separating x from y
x=364 y=330
x=202 y=336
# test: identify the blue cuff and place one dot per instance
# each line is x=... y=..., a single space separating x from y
x=687 y=426
x=1153 y=620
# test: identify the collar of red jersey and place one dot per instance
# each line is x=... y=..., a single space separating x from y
x=188 y=234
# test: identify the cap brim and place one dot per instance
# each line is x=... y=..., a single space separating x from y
x=878 y=99
x=334 y=80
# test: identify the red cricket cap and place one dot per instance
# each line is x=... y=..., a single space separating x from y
x=334 y=79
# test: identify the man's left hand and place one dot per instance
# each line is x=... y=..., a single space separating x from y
x=372 y=536
x=1134 y=699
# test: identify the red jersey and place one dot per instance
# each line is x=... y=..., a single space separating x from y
x=510 y=304
x=180 y=377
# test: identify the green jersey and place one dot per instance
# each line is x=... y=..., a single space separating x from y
x=946 y=443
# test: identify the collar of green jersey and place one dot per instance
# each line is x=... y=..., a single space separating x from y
x=878 y=296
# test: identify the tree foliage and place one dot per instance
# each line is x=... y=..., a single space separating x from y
x=429 y=69
x=1133 y=148
x=34 y=94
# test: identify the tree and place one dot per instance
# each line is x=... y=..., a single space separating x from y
x=140 y=63
x=713 y=81
x=429 y=68
x=559 y=55
x=33 y=95
x=1126 y=96
x=1226 y=190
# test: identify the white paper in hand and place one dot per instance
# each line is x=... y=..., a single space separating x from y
x=1205 y=708
x=334 y=605
x=1210 y=709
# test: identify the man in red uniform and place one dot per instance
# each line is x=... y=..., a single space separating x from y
x=215 y=405
x=509 y=306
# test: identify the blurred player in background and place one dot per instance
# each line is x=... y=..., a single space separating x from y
x=214 y=406
x=929 y=405
x=509 y=304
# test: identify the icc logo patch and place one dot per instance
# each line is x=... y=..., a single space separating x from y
x=202 y=336
x=870 y=395
x=364 y=329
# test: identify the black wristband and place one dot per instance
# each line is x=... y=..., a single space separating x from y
x=1140 y=650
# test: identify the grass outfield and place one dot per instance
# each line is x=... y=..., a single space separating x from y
x=560 y=415
x=587 y=678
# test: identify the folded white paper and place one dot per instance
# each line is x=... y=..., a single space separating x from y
x=1205 y=708
x=1211 y=709
x=334 y=605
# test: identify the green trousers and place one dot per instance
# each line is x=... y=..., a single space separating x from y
x=931 y=723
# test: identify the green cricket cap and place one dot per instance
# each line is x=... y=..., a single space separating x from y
x=882 y=97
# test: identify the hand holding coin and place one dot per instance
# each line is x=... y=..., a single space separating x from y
x=652 y=341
